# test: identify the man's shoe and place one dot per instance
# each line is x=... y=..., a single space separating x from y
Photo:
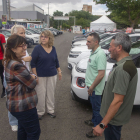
x=52 y=115
x=3 y=94
x=90 y=134
x=89 y=123
x=40 y=117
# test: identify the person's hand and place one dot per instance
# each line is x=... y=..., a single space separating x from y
x=33 y=76
x=90 y=90
x=60 y=75
x=98 y=131
x=27 y=58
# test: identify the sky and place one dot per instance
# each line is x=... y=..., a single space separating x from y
x=61 y=5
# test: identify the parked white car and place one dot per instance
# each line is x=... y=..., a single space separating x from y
x=78 y=87
x=34 y=37
x=76 y=54
x=79 y=52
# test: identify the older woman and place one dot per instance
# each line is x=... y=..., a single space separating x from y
x=45 y=65
x=19 y=30
x=21 y=96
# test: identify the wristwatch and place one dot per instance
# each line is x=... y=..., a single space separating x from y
x=103 y=126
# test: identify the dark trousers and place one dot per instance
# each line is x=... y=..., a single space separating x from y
x=95 y=101
x=113 y=132
x=1 y=73
x=28 y=124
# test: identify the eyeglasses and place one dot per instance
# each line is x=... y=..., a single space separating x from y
x=23 y=46
x=45 y=37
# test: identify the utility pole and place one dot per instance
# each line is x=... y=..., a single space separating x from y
x=9 y=10
x=48 y=17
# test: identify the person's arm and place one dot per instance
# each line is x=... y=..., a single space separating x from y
x=59 y=73
x=121 y=83
x=58 y=68
x=27 y=58
x=113 y=109
x=3 y=45
x=101 y=67
x=97 y=80
x=34 y=61
x=22 y=75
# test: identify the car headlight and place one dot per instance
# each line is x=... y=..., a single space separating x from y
x=76 y=44
x=80 y=82
x=73 y=55
x=80 y=70
x=36 y=37
x=76 y=53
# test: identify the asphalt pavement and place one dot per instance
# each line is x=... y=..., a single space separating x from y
x=70 y=114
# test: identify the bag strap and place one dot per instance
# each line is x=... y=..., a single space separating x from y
x=1 y=47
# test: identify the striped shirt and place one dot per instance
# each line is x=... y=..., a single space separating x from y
x=21 y=95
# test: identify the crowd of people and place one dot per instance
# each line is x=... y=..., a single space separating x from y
x=31 y=93
x=28 y=92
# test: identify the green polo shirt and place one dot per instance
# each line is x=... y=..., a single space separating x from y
x=122 y=80
x=96 y=62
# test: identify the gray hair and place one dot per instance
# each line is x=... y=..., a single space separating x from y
x=124 y=40
x=15 y=28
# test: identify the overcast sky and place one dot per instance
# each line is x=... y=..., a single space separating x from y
x=61 y=5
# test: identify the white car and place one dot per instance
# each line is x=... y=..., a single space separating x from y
x=34 y=37
x=102 y=37
x=78 y=87
x=76 y=54
x=79 y=53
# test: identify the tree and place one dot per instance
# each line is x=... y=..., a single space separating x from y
x=58 y=13
x=127 y=10
x=83 y=18
x=66 y=14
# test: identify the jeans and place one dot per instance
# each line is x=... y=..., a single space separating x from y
x=12 y=119
x=95 y=101
x=113 y=132
x=28 y=124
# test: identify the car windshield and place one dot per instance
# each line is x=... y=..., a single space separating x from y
x=136 y=45
x=32 y=31
x=134 y=52
x=6 y=33
x=28 y=33
x=105 y=43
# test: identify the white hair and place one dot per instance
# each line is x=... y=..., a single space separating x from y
x=15 y=28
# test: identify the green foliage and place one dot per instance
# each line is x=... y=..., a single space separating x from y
x=66 y=14
x=127 y=11
x=58 y=13
x=83 y=18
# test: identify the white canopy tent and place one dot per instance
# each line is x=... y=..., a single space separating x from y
x=103 y=23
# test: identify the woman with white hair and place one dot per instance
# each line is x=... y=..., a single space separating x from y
x=19 y=30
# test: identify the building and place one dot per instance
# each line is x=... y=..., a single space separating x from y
x=87 y=8
x=30 y=12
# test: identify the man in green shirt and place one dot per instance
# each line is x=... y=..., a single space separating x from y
x=120 y=90
x=95 y=78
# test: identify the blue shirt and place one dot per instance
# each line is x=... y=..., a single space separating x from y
x=46 y=64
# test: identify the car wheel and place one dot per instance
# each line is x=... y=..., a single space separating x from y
x=32 y=41
x=72 y=95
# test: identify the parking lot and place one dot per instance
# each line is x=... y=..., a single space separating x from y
x=70 y=115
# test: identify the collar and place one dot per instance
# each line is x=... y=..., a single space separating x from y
x=96 y=50
x=123 y=60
